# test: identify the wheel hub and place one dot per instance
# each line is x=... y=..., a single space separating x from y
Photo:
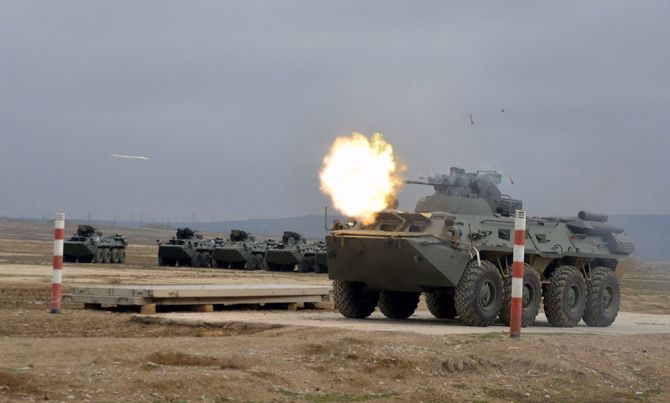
x=572 y=297
x=607 y=297
x=487 y=294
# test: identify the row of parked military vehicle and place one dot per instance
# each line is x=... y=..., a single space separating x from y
x=188 y=248
x=242 y=251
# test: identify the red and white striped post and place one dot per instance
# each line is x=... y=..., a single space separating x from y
x=517 y=274
x=57 y=278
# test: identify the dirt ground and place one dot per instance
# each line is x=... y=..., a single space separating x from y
x=84 y=355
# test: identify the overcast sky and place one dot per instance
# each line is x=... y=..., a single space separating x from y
x=236 y=103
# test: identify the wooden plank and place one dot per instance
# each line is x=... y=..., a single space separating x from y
x=208 y=290
x=148 y=309
x=197 y=295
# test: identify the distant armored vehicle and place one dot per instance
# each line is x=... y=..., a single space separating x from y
x=291 y=252
x=89 y=245
x=241 y=250
x=187 y=248
x=457 y=249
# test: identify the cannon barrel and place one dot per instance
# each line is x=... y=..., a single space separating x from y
x=587 y=215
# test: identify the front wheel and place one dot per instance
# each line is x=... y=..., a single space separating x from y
x=398 y=305
x=479 y=294
x=354 y=300
x=441 y=305
x=530 y=301
x=565 y=297
x=603 y=297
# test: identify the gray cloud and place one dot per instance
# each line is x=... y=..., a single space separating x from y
x=237 y=102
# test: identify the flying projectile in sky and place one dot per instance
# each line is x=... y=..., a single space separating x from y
x=130 y=157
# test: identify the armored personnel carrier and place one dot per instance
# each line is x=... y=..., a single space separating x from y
x=240 y=251
x=457 y=247
x=293 y=250
x=89 y=245
x=187 y=248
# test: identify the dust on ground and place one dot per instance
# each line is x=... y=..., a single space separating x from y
x=84 y=355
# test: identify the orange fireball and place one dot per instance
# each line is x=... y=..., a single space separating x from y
x=360 y=175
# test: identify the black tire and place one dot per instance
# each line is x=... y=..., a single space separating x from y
x=162 y=262
x=185 y=262
x=532 y=295
x=197 y=260
x=321 y=268
x=354 y=300
x=565 y=297
x=99 y=256
x=241 y=265
x=603 y=297
x=306 y=265
x=114 y=256
x=255 y=263
x=107 y=255
x=479 y=294
x=398 y=305
x=441 y=305
x=122 y=256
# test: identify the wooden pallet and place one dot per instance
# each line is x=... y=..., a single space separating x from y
x=201 y=298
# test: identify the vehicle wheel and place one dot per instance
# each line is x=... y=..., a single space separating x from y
x=306 y=265
x=603 y=297
x=479 y=294
x=99 y=256
x=255 y=262
x=354 y=300
x=122 y=256
x=106 y=255
x=321 y=268
x=197 y=259
x=398 y=305
x=532 y=293
x=441 y=305
x=162 y=262
x=565 y=299
x=114 y=256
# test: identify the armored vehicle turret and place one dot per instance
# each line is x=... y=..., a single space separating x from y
x=89 y=245
x=241 y=250
x=187 y=248
x=457 y=249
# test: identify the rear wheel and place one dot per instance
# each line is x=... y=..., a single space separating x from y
x=321 y=268
x=114 y=256
x=398 y=305
x=603 y=297
x=479 y=294
x=106 y=255
x=99 y=256
x=306 y=265
x=122 y=256
x=530 y=302
x=565 y=297
x=198 y=260
x=441 y=305
x=255 y=263
x=354 y=300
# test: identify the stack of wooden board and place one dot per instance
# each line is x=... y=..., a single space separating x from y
x=201 y=297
